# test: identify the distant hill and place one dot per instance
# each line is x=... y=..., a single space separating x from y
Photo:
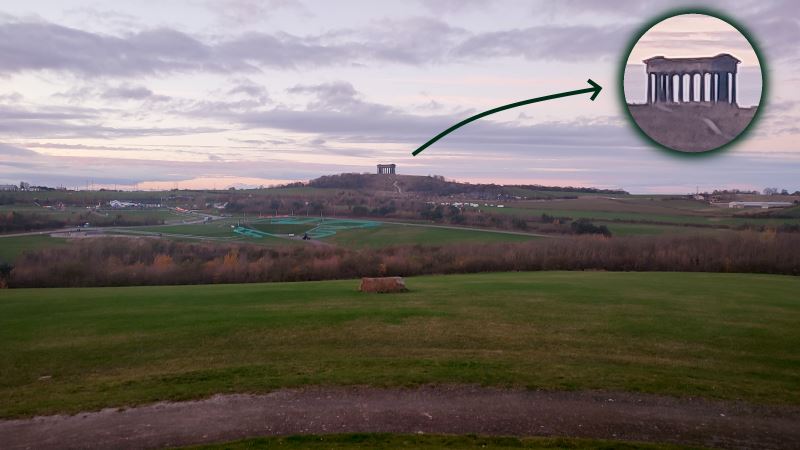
x=437 y=185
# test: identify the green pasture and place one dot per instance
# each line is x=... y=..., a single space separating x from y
x=397 y=234
x=728 y=336
x=166 y=215
x=13 y=246
x=645 y=217
x=216 y=229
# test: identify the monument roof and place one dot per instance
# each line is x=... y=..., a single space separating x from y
x=700 y=59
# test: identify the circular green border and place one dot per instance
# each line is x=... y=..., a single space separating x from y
x=716 y=14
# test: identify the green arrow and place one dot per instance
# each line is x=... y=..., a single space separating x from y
x=595 y=89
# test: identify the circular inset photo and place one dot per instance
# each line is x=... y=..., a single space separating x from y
x=693 y=82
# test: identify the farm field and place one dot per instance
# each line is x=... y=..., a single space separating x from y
x=663 y=212
x=166 y=215
x=725 y=336
x=216 y=229
x=641 y=229
x=12 y=247
x=382 y=234
x=397 y=234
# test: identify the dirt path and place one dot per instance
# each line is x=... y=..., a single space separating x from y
x=441 y=409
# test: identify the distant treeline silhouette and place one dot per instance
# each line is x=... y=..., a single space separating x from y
x=148 y=261
x=439 y=186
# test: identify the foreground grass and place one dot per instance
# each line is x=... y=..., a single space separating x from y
x=425 y=442
x=715 y=335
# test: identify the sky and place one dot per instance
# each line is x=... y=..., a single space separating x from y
x=219 y=93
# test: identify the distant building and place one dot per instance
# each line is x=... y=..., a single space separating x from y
x=763 y=205
x=386 y=169
x=720 y=70
x=8 y=187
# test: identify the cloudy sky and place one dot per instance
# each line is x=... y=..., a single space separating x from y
x=202 y=93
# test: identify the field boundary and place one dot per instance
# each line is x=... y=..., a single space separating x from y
x=448 y=409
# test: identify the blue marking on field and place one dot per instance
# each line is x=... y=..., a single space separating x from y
x=325 y=227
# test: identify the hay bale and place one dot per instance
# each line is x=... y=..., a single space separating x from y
x=383 y=285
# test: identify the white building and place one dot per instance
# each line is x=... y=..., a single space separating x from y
x=8 y=187
x=763 y=205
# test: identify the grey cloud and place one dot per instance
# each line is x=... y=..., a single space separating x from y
x=338 y=96
x=66 y=122
x=248 y=12
x=9 y=114
x=62 y=130
x=11 y=97
x=74 y=171
x=774 y=24
x=46 y=46
x=250 y=89
x=338 y=113
x=31 y=46
x=566 y=43
x=10 y=150
x=132 y=92
x=455 y=6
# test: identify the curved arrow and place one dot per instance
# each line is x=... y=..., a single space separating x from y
x=595 y=89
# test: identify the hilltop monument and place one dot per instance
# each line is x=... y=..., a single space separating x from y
x=387 y=169
x=718 y=72
x=692 y=103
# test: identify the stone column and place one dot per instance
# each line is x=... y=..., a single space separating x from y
x=712 y=88
x=668 y=82
x=722 y=89
x=691 y=87
x=702 y=86
x=672 y=88
x=658 y=88
x=733 y=89
x=657 y=96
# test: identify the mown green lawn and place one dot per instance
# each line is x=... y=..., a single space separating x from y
x=220 y=228
x=283 y=228
x=391 y=234
x=714 y=335
x=603 y=215
x=12 y=247
x=675 y=219
x=425 y=442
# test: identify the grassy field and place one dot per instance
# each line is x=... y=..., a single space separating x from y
x=425 y=442
x=280 y=228
x=221 y=228
x=166 y=215
x=12 y=247
x=714 y=335
x=392 y=234
x=670 y=215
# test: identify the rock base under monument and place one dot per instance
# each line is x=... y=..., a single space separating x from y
x=692 y=127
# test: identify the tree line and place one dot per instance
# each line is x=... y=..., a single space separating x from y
x=149 y=261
